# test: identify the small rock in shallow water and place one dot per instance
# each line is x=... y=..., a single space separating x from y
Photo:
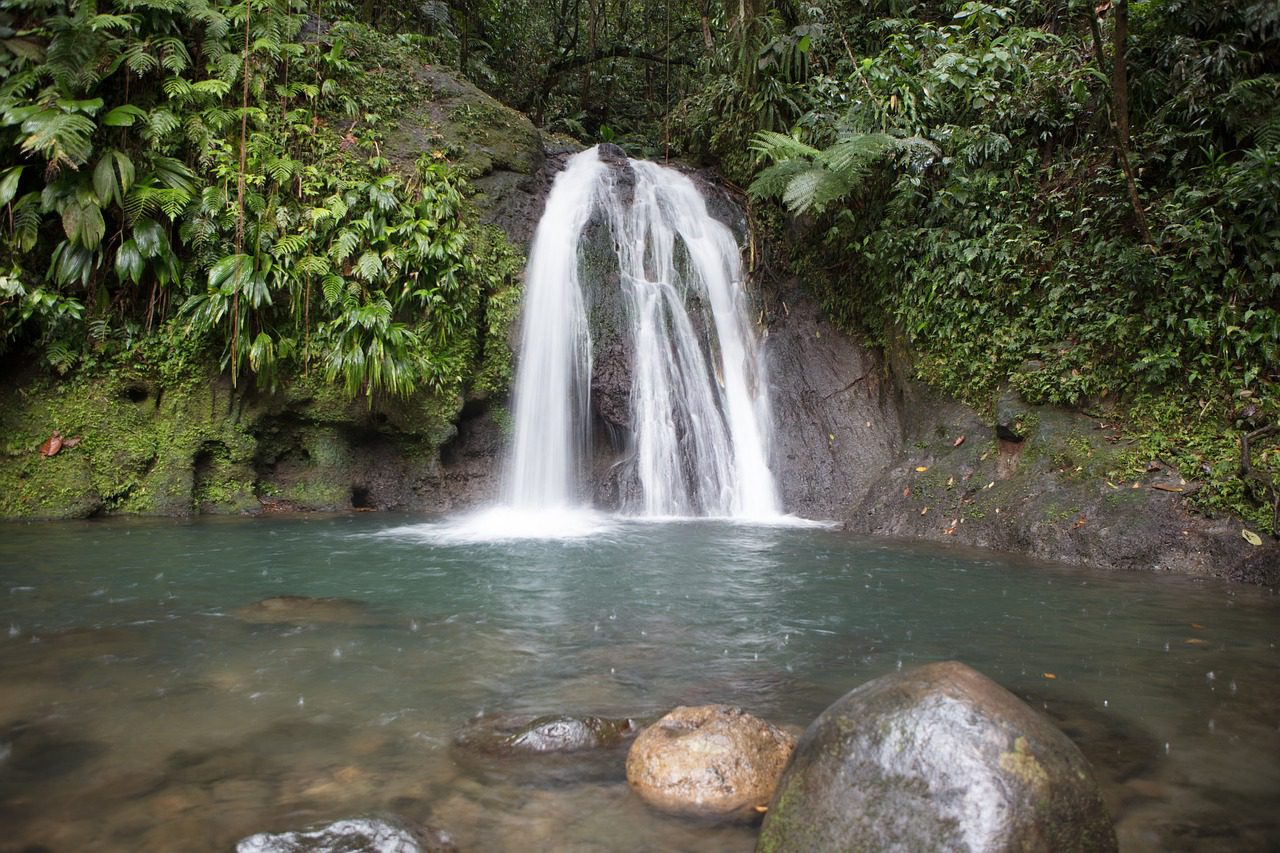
x=304 y=610
x=552 y=733
x=712 y=761
x=355 y=835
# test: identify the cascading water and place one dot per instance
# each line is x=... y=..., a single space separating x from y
x=699 y=402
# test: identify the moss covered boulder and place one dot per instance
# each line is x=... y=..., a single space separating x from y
x=936 y=758
x=497 y=148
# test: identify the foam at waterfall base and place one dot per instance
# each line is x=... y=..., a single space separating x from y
x=504 y=524
x=745 y=520
x=500 y=524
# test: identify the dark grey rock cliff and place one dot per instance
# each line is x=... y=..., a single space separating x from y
x=859 y=443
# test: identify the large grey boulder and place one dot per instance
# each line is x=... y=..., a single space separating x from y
x=712 y=761
x=936 y=758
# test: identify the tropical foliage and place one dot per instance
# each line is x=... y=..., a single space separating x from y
x=982 y=180
x=208 y=168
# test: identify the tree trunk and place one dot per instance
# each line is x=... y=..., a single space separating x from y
x=1120 y=112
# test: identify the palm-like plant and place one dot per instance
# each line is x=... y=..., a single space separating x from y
x=808 y=179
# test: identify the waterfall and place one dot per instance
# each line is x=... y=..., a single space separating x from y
x=699 y=408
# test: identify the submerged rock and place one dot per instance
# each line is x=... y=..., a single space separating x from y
x=938 y=757
x=552 y=733
x=304 y=610
x=354 y=835
x=712 y=761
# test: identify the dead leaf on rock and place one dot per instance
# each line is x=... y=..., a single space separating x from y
x=906 y=493
x=1080 y=522
x=1195 y=641
x=920 y=469
x=1249 y=536
x=959 y=441
x=1165 y=487
x=1049 y=675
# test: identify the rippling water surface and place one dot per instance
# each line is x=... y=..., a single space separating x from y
x=145 y=704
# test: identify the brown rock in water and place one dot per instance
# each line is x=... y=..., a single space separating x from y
x=709 y=761
x=304 y=610
x=936 y=758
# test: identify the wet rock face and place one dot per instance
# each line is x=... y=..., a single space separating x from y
x=712 y=761
x=938 y=757
x=355 y=835
x=836 y=419
x=552 y=733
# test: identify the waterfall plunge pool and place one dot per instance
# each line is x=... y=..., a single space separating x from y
x=143 y=707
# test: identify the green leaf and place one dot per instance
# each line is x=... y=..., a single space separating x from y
x=104 y=180
x=129 y=262
x=83 y=224
x=9 y=184
x=123 y=116
x=26 y=48
x=149 y=237
x=215 y=87
x=125 y=166
x=229 y=272
x=90 y=105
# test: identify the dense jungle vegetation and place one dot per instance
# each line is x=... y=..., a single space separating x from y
x=1077 y=200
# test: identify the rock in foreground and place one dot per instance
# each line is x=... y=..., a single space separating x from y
x=711 y=761
x=936 y=758
x=355 y=835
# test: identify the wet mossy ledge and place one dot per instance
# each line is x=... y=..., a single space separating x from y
x=158 y=429
x=147 y=447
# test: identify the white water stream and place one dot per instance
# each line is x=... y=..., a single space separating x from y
x=699 y=398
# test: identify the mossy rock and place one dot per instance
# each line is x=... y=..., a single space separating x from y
x=476 y=132
x=937 y=757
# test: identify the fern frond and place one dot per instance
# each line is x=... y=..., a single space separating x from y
x=814 y=189
x=780 y=146
x=773 y=180
x=855 y=154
